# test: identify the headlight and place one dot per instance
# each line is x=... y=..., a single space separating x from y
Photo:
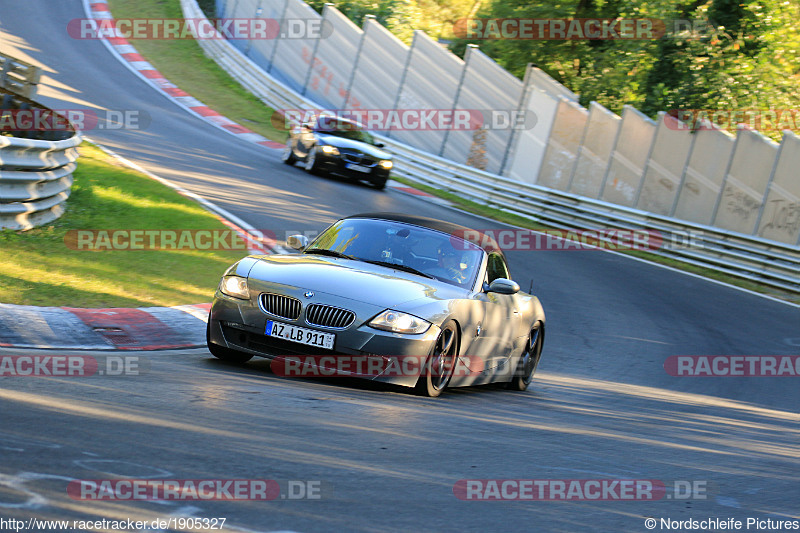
x=398 y=322
x=235 y=286
x=386 y=164
x=330 y=150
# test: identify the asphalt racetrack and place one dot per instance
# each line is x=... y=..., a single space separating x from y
x=370 y=458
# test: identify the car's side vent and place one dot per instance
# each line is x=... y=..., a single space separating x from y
x=328 y=316
x=280 y=305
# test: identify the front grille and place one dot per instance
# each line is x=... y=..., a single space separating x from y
x=358 y=159
x=328 y=316
x=280 y=305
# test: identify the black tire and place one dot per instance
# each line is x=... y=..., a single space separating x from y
x=441 y=362
x=288 y=154
x=529 y=360
x=380 y=185
x=311 y=161
x=226 y=354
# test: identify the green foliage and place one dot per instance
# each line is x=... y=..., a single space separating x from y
x=745 y=54
x=747 y=59
x=402 y=17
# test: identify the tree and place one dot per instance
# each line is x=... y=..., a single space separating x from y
x=745 y=57
x=747 y=53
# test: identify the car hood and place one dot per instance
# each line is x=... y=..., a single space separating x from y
x=341 y=142
x=356 y=280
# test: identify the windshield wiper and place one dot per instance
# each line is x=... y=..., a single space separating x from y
x=404 y=268
x=325 y=251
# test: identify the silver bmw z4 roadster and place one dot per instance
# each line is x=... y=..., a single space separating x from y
x=400 y=299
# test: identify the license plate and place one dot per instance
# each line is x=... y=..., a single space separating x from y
x=301 y=335
x=358 y=168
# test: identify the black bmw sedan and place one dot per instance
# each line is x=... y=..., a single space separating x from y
x=340 y=146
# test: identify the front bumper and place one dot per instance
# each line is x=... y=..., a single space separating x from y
x=240 y=325
x=335 y=164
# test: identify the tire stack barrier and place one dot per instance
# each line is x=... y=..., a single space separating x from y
x=35 y=166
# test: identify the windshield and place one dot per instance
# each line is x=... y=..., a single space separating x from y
x=339 y=127
x=434 y=254
x=352 y=134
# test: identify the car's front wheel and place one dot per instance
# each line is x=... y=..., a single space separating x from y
x=311 y=161
x=288 y=154
x=226 y=354
x=529 y=360
x=441 y=362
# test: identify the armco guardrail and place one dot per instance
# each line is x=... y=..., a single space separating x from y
x=752 y=258
x=262 y=85
x=35 y=168
x=744 y=256
x=19 y=76
x=535 y=130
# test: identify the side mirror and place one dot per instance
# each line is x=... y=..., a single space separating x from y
x=298 y=242
x=504 y=286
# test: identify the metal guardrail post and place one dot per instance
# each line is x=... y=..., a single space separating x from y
x=257 y=14
x=579 y=150
x=464 y=70
x=682 y=180
x=724 y=182
x=611 y=158
x=523 y=99
x=404 y=74
x=357 y=60
x=647 y=160
x=310 y=70
x=766 y=190
x=278 y=41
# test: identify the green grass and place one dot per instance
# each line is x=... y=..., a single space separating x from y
x=38 y=268
x=183 y=62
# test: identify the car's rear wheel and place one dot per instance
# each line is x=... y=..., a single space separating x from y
x=441 y=362
x=529 y=360
x=288 y=154
x=226 y=354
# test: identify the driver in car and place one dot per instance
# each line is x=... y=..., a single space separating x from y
x=451 y=261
